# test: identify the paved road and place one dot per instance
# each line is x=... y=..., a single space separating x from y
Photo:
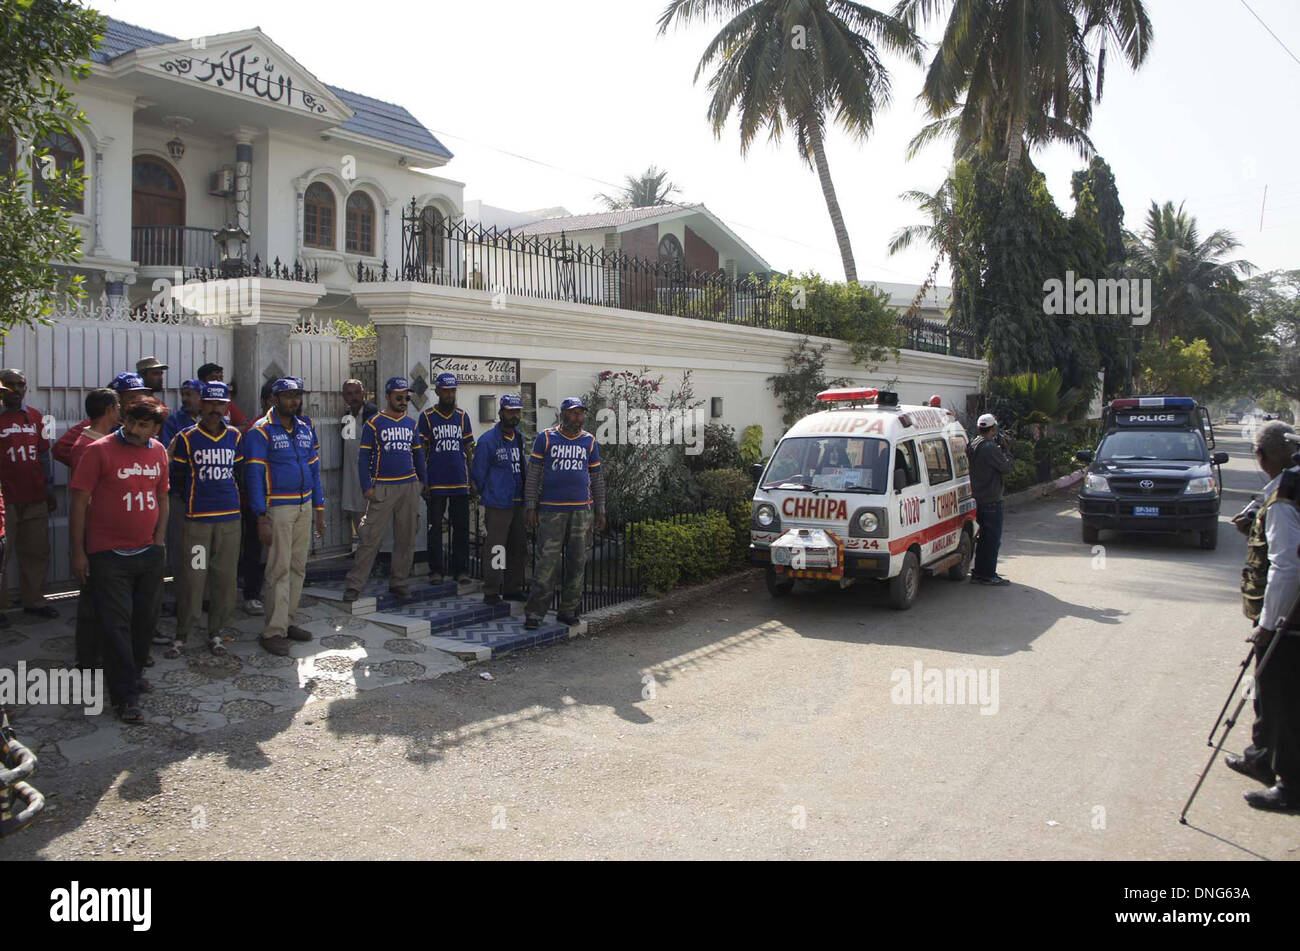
x=771 y=731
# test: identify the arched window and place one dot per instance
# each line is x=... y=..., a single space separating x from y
x=318 y=217
x=360 y=231
x=670 y=250
x=64 y=153
x=432 y=234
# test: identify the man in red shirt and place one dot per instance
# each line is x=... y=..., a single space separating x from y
x=101 y=419
x=117 y=545
x=27 y=481
x=129 y=388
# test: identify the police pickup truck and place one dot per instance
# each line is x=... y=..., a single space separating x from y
x=1154 y=471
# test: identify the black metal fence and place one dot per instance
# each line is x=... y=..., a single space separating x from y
x=611 y=575
x=436 y=250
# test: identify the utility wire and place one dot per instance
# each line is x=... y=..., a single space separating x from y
x=1270 y=32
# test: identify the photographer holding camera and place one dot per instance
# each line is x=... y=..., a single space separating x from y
x=990 y=458
x=1270 y=581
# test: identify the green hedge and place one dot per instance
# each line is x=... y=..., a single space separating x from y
x=684 y=550
x=720 y=489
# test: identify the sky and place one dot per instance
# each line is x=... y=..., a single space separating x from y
x=547 y=104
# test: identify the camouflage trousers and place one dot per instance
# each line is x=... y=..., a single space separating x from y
x=553 y=528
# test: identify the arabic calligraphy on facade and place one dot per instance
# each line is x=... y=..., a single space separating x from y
x=241 y=72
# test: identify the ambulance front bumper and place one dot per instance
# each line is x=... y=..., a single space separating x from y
x=856 y=564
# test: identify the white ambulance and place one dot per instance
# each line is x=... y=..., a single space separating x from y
x=867 y=489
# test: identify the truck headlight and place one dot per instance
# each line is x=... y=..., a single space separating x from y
x=1199 y=486
x=868 y=523
x=1096 y=483
x=765 y=515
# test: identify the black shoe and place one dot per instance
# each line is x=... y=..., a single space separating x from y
x=43 y=611
x=997 y=580
x=403 y=594
x=4 y=621
x=296 y=633
x=569 y=619
x=1250 y=767
x=1276 y=797
x=351 y=595
x=532 y=624
x=278 y=646
x=491 y=599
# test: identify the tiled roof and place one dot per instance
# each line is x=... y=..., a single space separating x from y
x=606 y=219
x=374 y=118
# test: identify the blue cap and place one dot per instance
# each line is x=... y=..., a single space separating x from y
x=397 y=383
x=195 y=385
x=512 y=401
x=286 y=385
x=445 y=381
x=128 y=381
x=572 y=402
x=216 y=391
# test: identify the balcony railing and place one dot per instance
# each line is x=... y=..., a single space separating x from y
x=174 y=246
x=462 y=254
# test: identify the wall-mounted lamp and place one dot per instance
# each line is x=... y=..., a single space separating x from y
x=715 y=407
x=487 y=408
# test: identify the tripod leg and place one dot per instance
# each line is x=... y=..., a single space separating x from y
x=1209 y=740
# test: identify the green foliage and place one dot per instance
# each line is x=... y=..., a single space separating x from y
x=350 y=331
x=640 y=191
x=1034 y=399
x=719 y=451
x=1176 y=368
x=1275 y=303
x=751 y=445
x=722 y=488
x=641 y=480
x=41 y=41
x=796 y=389
x=860 y=316
x=1024 y=471
x=683 y=550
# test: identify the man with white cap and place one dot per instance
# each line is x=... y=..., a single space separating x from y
x=390 y=464
x=282 y=471
x=449 y=450
x=990 y=458
x=499 y=473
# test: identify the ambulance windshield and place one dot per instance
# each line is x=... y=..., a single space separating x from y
x=833 y=463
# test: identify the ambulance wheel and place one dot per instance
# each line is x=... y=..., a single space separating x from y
x=778 y=588
x=959 y=571
x=1210 y=539
x=1090 y=534
x=903 y=587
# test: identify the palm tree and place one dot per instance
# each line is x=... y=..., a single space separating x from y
x=792 y=63
x=942 y=231
x=1011 y=71
x=641 y=191
x=1194 y=292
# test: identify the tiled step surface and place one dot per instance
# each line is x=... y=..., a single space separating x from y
x=448 y=613
x=506 y=634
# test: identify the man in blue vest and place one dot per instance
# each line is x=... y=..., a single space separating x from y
x=282 y=467
x=206 y=460
x=391 y=467
x=498 y=474
x=564 y=481
x=449 y=449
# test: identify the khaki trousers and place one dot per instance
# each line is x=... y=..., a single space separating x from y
x=286 y=565
x=27 y=526
x=398 y=505
x=214 y=547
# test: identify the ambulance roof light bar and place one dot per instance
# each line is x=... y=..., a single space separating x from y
x=1154 y=402
x=858 y=394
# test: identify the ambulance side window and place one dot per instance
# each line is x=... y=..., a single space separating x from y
x=937 y=463
x=959 y=458
x=905 y=459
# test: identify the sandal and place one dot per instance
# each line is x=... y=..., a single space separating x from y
x=218 y=649
x=130 y=713
x=175 y=650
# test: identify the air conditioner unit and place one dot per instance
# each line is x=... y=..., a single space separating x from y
x=221 y=183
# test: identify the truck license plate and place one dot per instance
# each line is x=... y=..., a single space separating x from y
x=1146 y=510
